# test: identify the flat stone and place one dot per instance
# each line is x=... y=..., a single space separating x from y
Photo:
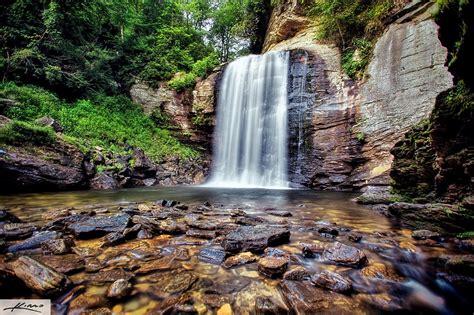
x=16 y=231
x=58 y=247
x=213 y=254
x=85 y=302
x=104 y=276
x=229 y=286
x=217 y=300
x=272 y=267
x=201 y=234
x=119 y=289
x=328 y=230
x=341 y=254
x=354 y=237
x=69 y=263
x=34 y=241
x=40 y=278
x=100 y=225
x=178 y=253
x=298 y=273
x=175 y=282
x=112 y=239
x=160 y=264
x=7 y=217
x=382 y=301
x=331 y=280
x=425 y=234
x=279 y=213
x=240 y=259
x=255 y=238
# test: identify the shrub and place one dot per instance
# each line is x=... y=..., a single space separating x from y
x=21 y=133
x=183 y=81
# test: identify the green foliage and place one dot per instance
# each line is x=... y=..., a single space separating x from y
x=466 y=235
x=202 y=121
x=353 y=26
x=23 y=133
x=105 y=121
x=200 y=69
x=182 y=81
x=360 y=136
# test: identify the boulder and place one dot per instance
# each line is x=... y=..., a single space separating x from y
x=15 y=231
x=298 y=273
x=380 y=271
x=331 y=280
x=255 y=238
x=425 y=235
x=100 y=225
x=266 y=305
x=310 y=250
x=57 y=246
x=104 y=181
x=341 y=254
x=40 y=278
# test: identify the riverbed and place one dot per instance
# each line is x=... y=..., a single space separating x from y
x=394 y=276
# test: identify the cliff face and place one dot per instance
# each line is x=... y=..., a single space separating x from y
x=341 y=131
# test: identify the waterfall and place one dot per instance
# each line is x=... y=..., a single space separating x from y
x=250 y=148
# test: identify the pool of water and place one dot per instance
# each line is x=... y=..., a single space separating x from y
x=383 y=242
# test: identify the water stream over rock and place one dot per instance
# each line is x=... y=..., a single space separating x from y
x=251 y=132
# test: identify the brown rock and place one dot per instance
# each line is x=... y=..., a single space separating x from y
x=381 y=271
x=298 y=273
x=212 y=254
x=267 y=305
x=272 y=267
x=174 y=282
x=341 y=254
x=255 y=238
x=240 y=259
x=58 y=247
x=69 y=263
x=178 y=253
x=332 y=281
x=160 y=264
x=39 y=277
x=201 y=234
x=425 y=234
x=15 y=231
x=310 y=250
x=104 y=276
x=85 y=302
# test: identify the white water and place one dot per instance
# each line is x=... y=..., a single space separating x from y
x=251 y=133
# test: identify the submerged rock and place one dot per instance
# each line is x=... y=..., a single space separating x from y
x=175 y=282
x=100 y=225
x=68 y=263
x=178 y=253
x=380 y=271
x=40 y=278
x=6 y=216
x=160 y=264
x=58 y=246
x=214 y=255
x=279 y=213
x=310 y=250
x=332 y=281
x=34 y=241
x=255 y=238
x=267 y=305
x=298 y=273
x=119 y=289
x=341 y=254
x=240 y=259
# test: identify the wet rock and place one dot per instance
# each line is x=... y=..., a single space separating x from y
x=237 y=213
x=240 y=259
x=459 y=264
x=255 y=238
x=298 y=273
x=195 y=221
x=225 y=309
x=311 y=250
x=119 y=289
x=341 y=254
x=229 y=286
x=92 y=264
x=100 y=225
x=131 y=232
x=249 y=220
x=104 y=276
x=169 y=226
x=160 y=264
x=381 y=301
x=68 y=263
x=217 y=300
x=174 y=282
x=112 y=239
x=98 y=311
x=380 y=271
x=178 y=253
x=331 y=280
x=213 y=255
x=34 y=241
x=86 y=301
x=267 y=305
x=201 y=234
x=354 y=237
x=182 y=305
x=58 y=247
x=7 y=217
x=40 y=278
x=279 y=213
x=16 y=231
x=144 y=234
x=272 y=266
x=425 y=234
x=303 y=298
x=328 y=230
x=467 y=245
x=87 y=251
x=168 y=203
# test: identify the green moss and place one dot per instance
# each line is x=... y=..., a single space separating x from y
x=360 y=136
x=23 y=133
x=466 y=235
x=201 y=120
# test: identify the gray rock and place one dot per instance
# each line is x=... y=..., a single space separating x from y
x=214 y=255
x=267 y=305
x=57 y=247
x=100 y=225
x=34 y=241
x=15 y=231
x=255 y=238
x=425 y=234
x=119 y=289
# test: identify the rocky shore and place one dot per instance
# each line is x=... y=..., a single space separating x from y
x=166 y=257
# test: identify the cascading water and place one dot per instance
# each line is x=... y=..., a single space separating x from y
x=251 y=132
